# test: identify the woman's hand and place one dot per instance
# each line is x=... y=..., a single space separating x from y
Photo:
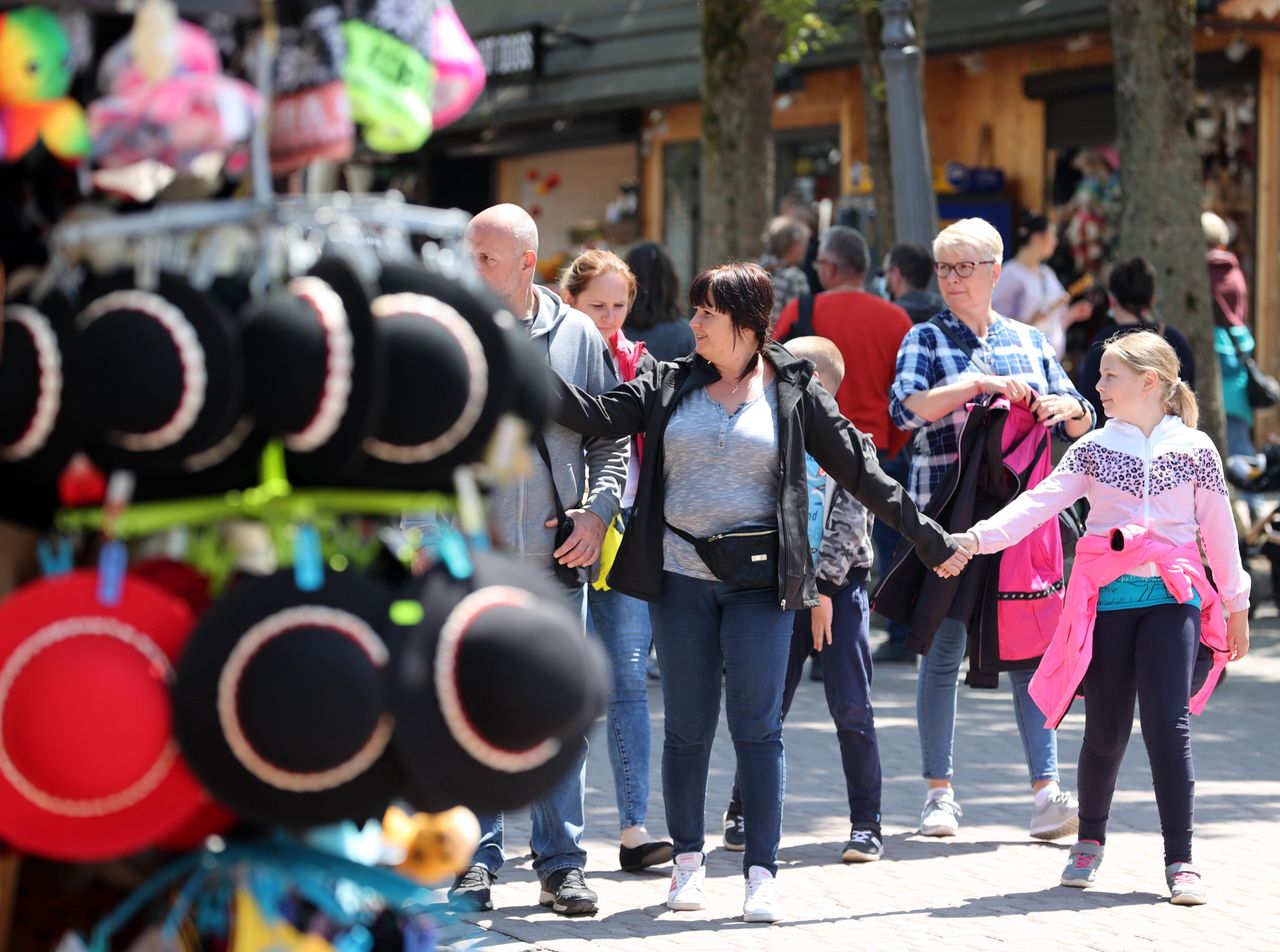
x=1054 y=408
x=820 y=622
x=968 y=548
x=1013 y=388
x=1237 y=635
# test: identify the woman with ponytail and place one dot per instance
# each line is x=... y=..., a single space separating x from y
x=1139 y=609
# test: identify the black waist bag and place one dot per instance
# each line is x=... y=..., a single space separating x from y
x=745 y=557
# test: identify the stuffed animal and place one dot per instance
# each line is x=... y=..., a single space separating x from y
x=436 y=845
x=35 y=75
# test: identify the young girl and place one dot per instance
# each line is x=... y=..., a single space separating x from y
x=1139 y=605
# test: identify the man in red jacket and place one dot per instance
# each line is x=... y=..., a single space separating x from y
x=868 y=331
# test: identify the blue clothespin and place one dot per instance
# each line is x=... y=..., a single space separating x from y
x=308 y=562
x=55 y=555
x=355 y=939
x=453 y=551
x=113 y=560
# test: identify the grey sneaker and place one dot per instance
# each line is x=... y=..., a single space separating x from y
x=567 y=893
x=471 y=890
x=1082 y=864
x=1059 y=816
x=735 y=833
x=1186 y=888
x=941 y=816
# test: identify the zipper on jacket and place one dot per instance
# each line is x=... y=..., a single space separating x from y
x=1146 y=483
x=739 y=535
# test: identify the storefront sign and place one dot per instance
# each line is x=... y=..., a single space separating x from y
x=511 y=55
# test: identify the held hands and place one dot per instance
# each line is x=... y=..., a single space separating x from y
x=968 y=548
x=820 y=622
x=1237 y=635
x=583 y=545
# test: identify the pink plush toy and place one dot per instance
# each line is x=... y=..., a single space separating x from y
x=459 y=70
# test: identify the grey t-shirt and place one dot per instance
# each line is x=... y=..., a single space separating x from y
x=721 y=472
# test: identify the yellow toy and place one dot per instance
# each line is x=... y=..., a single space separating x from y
x=35 y=75
x=436 y=845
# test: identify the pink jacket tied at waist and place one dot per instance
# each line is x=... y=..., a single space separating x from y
x=1099 y=561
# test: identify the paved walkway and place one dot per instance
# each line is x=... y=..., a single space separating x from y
x=990 y=886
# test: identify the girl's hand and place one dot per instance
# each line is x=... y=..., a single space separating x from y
x=820 y=622
x=1237 y=635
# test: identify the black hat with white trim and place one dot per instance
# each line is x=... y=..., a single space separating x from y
x=37 y=431
x=164 y=371
x=496 y=690
x=448 y=378
x=315 y=368
x=281 y=700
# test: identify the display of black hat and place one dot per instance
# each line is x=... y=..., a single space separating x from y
x=164 y=369
x=281 y=701
x=316 y=368
x=496 y=689
x=37 y=412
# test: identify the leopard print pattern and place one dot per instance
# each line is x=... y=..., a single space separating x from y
x=1124 y=472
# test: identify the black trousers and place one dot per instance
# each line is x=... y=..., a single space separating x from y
x=1145 y=654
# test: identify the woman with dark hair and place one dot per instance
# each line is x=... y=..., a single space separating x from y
x=655 y=316
x=719 y=548
x=1131 y=290
x=1030 y=292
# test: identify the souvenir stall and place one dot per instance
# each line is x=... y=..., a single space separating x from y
x=265 y=662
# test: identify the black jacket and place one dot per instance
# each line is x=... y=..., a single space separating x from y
x=808 y=422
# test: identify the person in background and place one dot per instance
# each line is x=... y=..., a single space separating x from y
x=1030 y=292
x=908 y=272
x=600 y=285
x=656 y=316
x=840 y=547
x=797 y=206
x=937 y=377
x=1231 y=339
x=868 y=331
x=1139 y=605
x=502 y=242
x=1132 y=288
x=786 y=241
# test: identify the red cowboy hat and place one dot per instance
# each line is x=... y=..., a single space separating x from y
x=89 y=768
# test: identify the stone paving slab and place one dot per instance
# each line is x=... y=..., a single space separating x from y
x=991 y=886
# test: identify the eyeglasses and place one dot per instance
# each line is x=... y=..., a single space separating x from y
x=826 y=261
x=962 y=269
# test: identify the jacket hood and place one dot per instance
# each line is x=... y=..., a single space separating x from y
x=552 y=311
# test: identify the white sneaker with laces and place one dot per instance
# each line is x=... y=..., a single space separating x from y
x=761 y=904
x=688 y=876
x=941 y=815
x=1058 y=815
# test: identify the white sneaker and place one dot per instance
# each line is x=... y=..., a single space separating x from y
x=688 y=875
x=1058 y=815
x=761 y=904
x=941 y=816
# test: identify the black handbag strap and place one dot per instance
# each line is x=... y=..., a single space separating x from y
x=691 y=539
x=541 y=444
x=955 y=338
x=803 y=327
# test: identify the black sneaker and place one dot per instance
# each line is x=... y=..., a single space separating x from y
x=632 y=860
x=864 y=845
x=470 y=892
x=894 y=652
x=566 y=892
x=735 y=833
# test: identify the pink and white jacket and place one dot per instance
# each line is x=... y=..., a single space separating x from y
x=1165 y=488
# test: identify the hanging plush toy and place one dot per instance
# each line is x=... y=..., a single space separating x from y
x=436 y=845
x=35 y=75
x=459 y=69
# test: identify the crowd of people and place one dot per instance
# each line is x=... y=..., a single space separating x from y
x=737 y=467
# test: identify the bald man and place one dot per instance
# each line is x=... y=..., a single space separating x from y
x=503 y=244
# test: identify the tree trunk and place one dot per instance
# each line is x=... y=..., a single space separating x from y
x=741 y=43
x=876 y=110
x=1160 y=176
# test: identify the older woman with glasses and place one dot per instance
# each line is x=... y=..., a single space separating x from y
x=943 y=364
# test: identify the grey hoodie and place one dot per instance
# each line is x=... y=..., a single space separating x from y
x=576 y=351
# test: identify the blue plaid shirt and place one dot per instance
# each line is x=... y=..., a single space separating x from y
x=928 y=359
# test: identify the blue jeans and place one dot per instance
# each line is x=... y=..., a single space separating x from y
x=704 y=630
x=846 y=669
x=885 y=538
x=936 y=709
x=558 y=815
x=621 y=623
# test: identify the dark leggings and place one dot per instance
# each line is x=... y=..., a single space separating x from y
x=1147 y=653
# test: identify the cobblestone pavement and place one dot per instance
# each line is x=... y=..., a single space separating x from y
x=990 y=886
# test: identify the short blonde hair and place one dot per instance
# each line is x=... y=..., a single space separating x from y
x=1141 y=351
x=826 y=357
x=1216 y=231
x=971 y=235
